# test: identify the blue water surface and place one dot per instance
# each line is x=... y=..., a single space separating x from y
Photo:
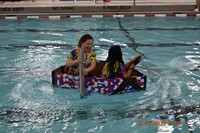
x=30 y=49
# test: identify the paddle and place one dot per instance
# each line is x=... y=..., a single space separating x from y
x=82 y=90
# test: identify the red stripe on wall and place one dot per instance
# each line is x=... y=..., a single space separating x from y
x=64 y=17
x=170 y=14
x=21 y=16
x=191 y=15
x=44 y=17
x=2 y=17
x=86 y=16
x=150 y=15
x=128 y=14
x=107 y=15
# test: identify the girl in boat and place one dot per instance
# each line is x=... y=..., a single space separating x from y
x=74 y=58
x=114 y=65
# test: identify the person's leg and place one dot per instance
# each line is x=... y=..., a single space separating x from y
x=129 y=71
x=132 y=62
x=198 y=4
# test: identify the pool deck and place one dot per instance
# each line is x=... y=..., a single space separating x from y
x=56 y=7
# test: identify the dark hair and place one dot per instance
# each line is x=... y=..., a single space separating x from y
x=84 y=38
x=114 y=54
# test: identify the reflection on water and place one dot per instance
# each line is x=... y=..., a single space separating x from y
x=32 y=103
x=21 y=116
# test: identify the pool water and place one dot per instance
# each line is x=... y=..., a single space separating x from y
x=31 y=48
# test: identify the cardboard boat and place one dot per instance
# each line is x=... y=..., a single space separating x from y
x=98 y=84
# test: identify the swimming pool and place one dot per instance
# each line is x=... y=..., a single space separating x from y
x=32 y=48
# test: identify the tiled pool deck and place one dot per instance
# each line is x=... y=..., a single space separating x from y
x=50 y=8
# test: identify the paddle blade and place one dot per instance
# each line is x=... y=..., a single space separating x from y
x=82 y=90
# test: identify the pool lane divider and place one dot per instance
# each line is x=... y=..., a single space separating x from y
x=129 y=37
x=99 y=16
